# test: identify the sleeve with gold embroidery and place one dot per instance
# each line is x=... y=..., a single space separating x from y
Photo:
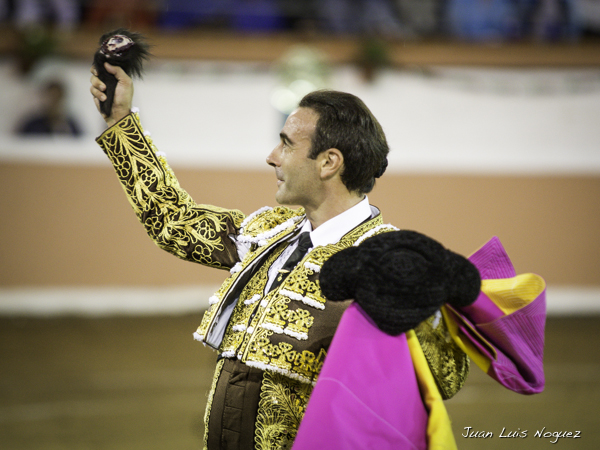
x=190 y=231
x=503 y=331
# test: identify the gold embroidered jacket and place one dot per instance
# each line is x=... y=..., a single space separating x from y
x=287 y=330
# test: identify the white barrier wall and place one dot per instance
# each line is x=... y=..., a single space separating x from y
x=450 y=120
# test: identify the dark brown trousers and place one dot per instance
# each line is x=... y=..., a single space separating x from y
x=234 y=407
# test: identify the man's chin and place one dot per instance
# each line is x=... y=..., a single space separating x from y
x=282 y=199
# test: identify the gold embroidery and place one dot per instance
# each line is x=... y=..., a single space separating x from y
x=278 y=312
x=291 y=322
x=300 y=321
x=260 y=346
x=205 y=320
x=308 y=364
x=282 y=357
x=275 y=314
x=255 y=252
x=303 y=280
x=209 y=401
x=242 y=312
x=268 y=220
x=174 y=222
x=280 y=410
x=448 y=363
x=273 y=331
x=352 y=236
x=299 y=282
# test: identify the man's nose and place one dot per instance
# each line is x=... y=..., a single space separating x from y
x=272 y=158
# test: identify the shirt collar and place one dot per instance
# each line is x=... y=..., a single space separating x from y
x=335 y=228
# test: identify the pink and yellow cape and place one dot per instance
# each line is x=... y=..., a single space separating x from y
x=377 y=391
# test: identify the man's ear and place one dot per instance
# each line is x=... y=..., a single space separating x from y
x=330 y=162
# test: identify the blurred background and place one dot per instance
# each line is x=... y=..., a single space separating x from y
x=491 y=108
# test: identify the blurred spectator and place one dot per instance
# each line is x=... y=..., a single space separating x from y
x=64 y=14
x=178 y=14
x=257 y=15
x=547 y=20
x=379 y=17
x=132 y=14
x=421 y=18
x=52 y=118
x=482 y=20
x=239 y=15
x=502 y=20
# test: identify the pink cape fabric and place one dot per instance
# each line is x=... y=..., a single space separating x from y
x=367 y=394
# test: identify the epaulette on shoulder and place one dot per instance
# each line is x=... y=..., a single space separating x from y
x=267 y=222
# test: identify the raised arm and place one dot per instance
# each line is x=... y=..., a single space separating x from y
x=190 y=231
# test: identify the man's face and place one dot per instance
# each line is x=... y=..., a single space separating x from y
x=298 y=179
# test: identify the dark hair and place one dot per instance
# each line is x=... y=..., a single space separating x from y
x=346 y=123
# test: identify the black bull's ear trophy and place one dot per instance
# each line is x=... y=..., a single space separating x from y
x=121 y=48
x=400 y=278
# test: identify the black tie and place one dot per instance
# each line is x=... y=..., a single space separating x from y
x=304 y=243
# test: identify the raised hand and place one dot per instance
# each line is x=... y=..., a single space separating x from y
x=123 y=93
